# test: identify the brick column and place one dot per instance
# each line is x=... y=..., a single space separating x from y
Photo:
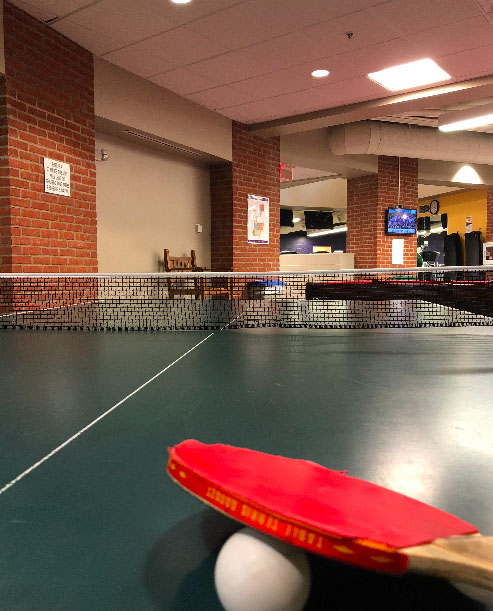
x=253 y=171
x=362 y=219
x=368 y=197
x=46 y=110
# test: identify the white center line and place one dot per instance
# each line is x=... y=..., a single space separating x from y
x=91 y=424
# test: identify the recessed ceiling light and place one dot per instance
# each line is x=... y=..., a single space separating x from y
x=296 y=219
x=181 y=1
x=320 y=73
x=413 y=74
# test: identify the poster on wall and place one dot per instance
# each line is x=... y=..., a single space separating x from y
x=398 y=251
x=57 y=177
x=258 y=219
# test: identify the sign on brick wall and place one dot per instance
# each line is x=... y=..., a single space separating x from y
x=258 y=219
x=57 y=177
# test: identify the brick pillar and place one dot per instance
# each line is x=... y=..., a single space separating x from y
x=362 y=219
x=368 y=197
x=253 y=171
x=5 y=222
x=46 y=110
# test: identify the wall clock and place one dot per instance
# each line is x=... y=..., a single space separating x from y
x=434 y=206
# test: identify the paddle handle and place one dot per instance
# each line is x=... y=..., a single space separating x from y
x=467 y=558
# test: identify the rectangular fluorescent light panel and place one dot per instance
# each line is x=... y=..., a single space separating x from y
x=467 y=123
x=466 y=119
x=406 y=76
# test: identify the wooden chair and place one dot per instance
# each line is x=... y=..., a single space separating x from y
x=182 y=286
x=198 y=287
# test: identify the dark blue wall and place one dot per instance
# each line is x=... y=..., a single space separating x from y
x=298 y=242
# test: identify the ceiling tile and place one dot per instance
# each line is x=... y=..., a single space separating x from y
x=38 y=13
x=180 y=46
x=92 y=41
x=282 y=52
x=409 y=17
x=348 y=91
x=237 y=114
x=294 y=78
x=227 y=68
x=299 y=102
x=137 y=62
x=58 y=8
x=223 y=27
x=455 y=37
x=486 y=5
x=221 y=97
x=304 y=13
x=183 y=81
x=123 y=20
x=182 y=14
x=263 y=110
x=382 y=55
x=470 y=63
x=367 y=28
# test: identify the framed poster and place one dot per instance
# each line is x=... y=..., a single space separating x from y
x=258 y=219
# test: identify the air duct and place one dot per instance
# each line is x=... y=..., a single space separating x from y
x=379 y=138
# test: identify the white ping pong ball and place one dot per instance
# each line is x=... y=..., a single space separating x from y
x=255 y=572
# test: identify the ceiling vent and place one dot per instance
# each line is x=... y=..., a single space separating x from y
x=163 y=143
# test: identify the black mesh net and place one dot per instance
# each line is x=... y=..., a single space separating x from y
x=420 y=297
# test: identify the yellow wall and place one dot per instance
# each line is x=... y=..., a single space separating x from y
x=460 y=205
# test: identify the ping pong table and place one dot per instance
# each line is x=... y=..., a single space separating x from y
x=89 y=519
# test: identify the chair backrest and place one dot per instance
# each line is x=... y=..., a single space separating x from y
x=430 y=256
x=180 y=264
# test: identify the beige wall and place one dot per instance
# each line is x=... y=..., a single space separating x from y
x=330 y=194
x=135 y=102
x=148 y=201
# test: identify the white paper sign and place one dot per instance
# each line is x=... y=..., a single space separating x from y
x=57 y=177
x=468 y=224
x=258 y=219
x=398 y=251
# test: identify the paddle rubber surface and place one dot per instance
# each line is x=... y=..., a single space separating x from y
x=313 y=507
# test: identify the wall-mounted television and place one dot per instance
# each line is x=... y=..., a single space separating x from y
x=400 y=221
x=315 y=219
x=286 y=218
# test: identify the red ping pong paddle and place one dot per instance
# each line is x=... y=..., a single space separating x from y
x=332 y=514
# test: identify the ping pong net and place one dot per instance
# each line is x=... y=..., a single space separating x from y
x=346 y=299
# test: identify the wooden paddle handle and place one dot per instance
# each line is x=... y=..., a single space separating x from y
x=466 y=558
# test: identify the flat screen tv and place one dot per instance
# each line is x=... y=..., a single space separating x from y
x=400 y=221
x=286 y=218
x=315 y=219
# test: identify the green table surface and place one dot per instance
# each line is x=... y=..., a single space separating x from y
x=99 y=526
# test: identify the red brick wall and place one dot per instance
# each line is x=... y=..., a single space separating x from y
x=368 y=197
x=5 y=231
x=255 y=171
x=388 y=196
x=362 y=218
x=49 y=112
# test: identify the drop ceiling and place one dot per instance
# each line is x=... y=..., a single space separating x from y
x=251 y=60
